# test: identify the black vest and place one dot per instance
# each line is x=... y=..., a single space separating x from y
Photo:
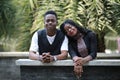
x=45 y=46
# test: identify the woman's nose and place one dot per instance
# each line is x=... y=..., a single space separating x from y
x=69 y=30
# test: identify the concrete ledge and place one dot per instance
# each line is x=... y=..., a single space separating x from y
x=25 y=54
x=69 y=62
x=108 y=56
x=14 y=54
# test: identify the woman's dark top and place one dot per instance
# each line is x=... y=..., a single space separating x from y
x=90 y=41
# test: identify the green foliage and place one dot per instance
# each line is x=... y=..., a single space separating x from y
x=7 y=15
x=24 y=24
x=95 y=15
x=115 y=17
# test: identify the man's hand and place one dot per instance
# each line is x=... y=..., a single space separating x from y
x=47 y=58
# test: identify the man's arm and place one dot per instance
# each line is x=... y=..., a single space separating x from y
x=34 y=56
x=34 y=48
x=63 y=55
x=64 y=50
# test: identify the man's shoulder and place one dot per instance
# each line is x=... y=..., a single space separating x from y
x=59 y=31
x=40 y=31
x=60 y=35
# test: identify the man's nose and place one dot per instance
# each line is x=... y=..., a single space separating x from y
x=50 y=22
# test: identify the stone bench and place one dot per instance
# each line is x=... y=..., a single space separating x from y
x=98 y=69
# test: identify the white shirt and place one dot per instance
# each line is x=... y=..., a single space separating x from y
x=34 y=42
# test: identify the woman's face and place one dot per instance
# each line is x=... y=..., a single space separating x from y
x=70 y=30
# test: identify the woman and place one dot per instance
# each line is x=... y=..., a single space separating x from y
x=82 y=44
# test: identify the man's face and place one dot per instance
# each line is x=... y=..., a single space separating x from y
x=50 y=22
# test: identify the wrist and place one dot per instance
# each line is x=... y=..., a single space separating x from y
x=75 y=58
x=39 y=57
x=55 y=58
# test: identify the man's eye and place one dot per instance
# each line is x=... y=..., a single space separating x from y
x=52 y=20
x=47 y=20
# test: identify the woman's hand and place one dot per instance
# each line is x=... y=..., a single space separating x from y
x=78 y=70
x=78 y=66
x=78 y=60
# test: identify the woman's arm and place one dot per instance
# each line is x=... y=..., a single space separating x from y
x=92 y=48
x=93 y=45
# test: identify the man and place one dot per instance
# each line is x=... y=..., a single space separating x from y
x=50 y=43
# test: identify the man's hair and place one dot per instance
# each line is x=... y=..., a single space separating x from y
x=51 y=12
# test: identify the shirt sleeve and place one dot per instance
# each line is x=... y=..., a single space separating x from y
x=93 y=46
x=34 y=43
x=72 y=52
x=65 y=44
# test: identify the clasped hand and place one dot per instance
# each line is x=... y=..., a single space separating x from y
x=47 y=58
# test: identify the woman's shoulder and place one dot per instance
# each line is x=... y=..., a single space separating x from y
x=91 y=33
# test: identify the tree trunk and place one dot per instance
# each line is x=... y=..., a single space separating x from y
x=101 y=42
